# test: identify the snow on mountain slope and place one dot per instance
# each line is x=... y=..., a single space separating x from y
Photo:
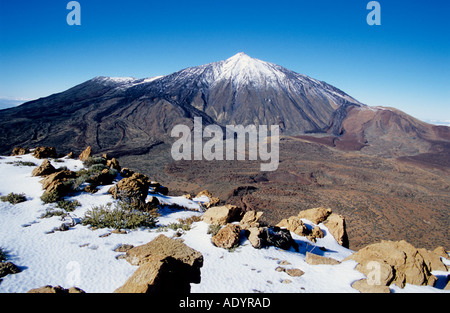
x=85 y=258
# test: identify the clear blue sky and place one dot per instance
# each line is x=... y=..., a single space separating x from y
x=404 y=63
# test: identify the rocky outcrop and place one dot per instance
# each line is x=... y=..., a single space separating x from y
x=165 y=265
x=55 y=289
x=56 y=180
x=336 y=225
x=46 y=168
x=136 y=185
x=364 y=286
x=316 y=215
x=85 y=154
x=7 y=268
x=212 y=200
x=250 y=219
x=334 y=222
x=227 y=237
x=56 y=183
x=278 y=237
x=221 y=215
x=295 y=225
x=397 y=262
x=44 y=152
x=314 y=259
x=20 y=151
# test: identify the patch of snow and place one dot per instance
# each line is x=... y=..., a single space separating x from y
x=85 y=258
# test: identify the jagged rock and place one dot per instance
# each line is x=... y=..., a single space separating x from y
x=7 y=268
x=212 y=200
x=126 y=172
x=134 y=186
x=316 y=215
x=113 y=163
x=315 y=233
x=85 y=154
x=44 y=152
x=295 y=225
x=441 y=252
x=46 y=168
x=90 y=189
x=254 y=237
x=56 y=289
x=227 y=236
x=20 y=151
x=433 y=260
x=399 y=262
x=278 y=237
x=105 y=177
x=315 y=259
x=294 y=272
x=364 y=287
x=157 y=187
x=166 y=265
x=70 y=155
x=250 y=219
x=221 y=215
x=55 y=182
x=336 y=225
x=162 y=247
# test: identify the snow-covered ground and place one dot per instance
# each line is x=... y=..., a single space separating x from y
x=85 y=258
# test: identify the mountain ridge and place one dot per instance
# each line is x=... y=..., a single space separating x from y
x=126 y=115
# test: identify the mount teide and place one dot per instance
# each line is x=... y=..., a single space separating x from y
x=128 y=116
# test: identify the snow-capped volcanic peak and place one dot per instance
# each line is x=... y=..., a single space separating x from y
x=243 y=69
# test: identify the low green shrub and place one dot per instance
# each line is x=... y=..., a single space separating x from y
x=52 y=212
x=106 y=216
x=94 y=160
x=3 y=255
x=67 y=205
x=213 y=229
x=50 y=197
x=14 y=198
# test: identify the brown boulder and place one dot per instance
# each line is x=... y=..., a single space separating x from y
x=85 y=154
x=46 y=168
x=336 y=225
x=212 y=200
x=433 y=260
x=7 y=268
x=56 y=289
x=162 y=247
x=254 y=236
x=250 y=219
x=166 y=265
x=221 y=215
x=316 y=215
x=113 y=163
x=295 y=225
x=134 y=186
x=227 y=237
x=20 y=151
x=52 y=180
x=364 y=287
x=315 y=233
x=398 y=262
x=44 y=152
x=315 y=259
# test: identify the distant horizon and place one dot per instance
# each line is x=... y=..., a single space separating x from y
x=402 y=63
